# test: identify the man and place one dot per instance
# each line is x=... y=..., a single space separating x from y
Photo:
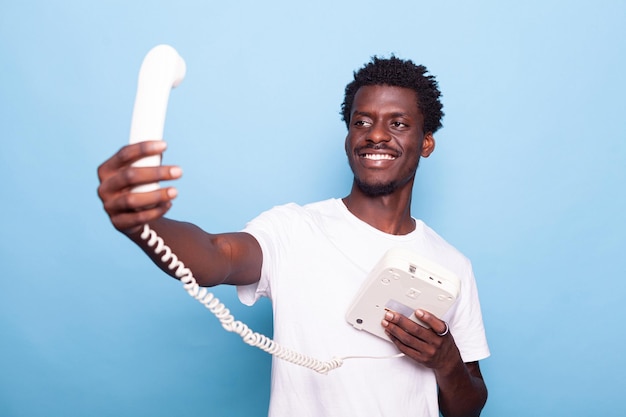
x=310 y=260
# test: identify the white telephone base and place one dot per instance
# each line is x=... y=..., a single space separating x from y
x=402 y=281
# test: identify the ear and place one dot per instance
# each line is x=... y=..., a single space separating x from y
x=428 y=145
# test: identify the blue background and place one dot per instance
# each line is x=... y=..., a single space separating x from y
x=527 y=180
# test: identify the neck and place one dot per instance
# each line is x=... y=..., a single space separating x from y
x=390 y=213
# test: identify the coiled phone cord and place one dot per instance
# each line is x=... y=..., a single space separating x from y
x=220 y=311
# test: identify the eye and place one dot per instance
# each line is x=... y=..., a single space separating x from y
x=399 y=124
x=362 y=123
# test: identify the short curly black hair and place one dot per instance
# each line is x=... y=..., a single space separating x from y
x=398 y=72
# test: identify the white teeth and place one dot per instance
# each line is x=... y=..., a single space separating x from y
x=378 y=156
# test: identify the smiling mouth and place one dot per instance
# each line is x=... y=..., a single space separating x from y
x=378 y=156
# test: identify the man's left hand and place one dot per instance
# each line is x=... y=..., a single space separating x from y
x=433 y=347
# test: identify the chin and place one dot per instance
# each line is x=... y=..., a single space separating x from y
x=376 y=190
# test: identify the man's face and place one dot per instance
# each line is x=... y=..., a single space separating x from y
x=385 y=138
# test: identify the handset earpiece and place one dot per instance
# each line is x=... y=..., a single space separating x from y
x=161 y=70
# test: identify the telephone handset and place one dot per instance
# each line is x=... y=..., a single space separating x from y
x=163 y=69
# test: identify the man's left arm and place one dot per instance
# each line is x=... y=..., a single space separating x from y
x=462 y=390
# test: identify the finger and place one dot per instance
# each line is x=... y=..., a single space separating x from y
x=129 y=154
x=130 y=211
x=436 y=325
x=408 y=344
x=139 y=202
x=404 y=322
x=132 y=177
x=405 y=330
x=128 y=178
x=130 y=222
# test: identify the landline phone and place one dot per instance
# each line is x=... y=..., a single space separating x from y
x=162 y=70
x=402 y=281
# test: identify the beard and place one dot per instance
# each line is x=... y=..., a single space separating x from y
x=376 y=190
x=381 y=189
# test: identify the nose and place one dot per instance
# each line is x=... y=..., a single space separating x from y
x=378 y=133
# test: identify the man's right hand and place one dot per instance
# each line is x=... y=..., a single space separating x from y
x=129 y=211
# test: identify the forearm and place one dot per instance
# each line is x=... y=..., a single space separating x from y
x=462 y=391
x=203 y=253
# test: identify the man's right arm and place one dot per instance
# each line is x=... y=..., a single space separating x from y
x=229 y=258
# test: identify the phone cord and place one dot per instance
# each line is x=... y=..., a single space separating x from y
x=229 y=323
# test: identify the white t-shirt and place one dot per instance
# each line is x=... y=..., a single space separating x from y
x=315 y=258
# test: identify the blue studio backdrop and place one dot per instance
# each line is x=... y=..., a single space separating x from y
x=527 y=180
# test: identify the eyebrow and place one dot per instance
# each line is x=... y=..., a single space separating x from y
x=400 y=114
x=368 y=114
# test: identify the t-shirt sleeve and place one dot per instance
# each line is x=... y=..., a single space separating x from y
x=270 y=229
x=466 y=322
x=251 y=293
